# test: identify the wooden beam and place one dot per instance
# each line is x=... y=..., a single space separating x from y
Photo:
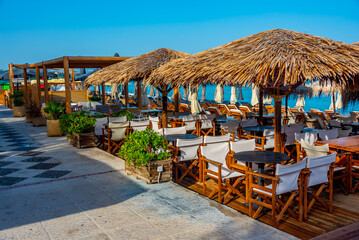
x=67 y=84
x=103 y=93
x=73 y=78
x=278 y=124
x=26 y=89
x=126 y=94
x=164 y=108
x=38 y=86
x=261 y=107
x=176 y=100
x=139 y=94
x=46 y=87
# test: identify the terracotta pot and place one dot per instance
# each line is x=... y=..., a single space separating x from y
x=53 y=128
x=38 y=121
x=18 y=111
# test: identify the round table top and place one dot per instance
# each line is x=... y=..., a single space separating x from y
x=174 y=137
x=258 y=128
x=355 y=124
x=261 y=157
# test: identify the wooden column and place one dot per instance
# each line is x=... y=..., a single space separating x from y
x=103 y=93
x=73 y=78
x=139 y=94
x=46 y=87
x=261 y=107
x=25 y=85
x=67 y=84
x=164 y=108
x=278 y=124
x=38 y=86
x=176 y=100
x=333 y=96
x=126 y=94
x=10 y=77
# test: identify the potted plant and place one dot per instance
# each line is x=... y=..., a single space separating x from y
x=122 y=113
x=95 y=98
x=146 y=156
x=53 y=112
x=79 y=128
x=19 y=104
x=33 y=111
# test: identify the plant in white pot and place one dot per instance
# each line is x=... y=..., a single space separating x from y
x=53 y=110
x=19 y=104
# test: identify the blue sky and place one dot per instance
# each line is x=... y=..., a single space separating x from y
x=33 y=31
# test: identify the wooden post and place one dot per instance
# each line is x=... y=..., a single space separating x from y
x=10 y=77
x=46 y=87
x=333 y=96
x=126 y=94
x=73 y=78
x=139 y=94
x=38 y=86
x=103 y=93
x=67 y=84
x=25 y=85
x=164 y=108
x=176 y=100
x=261 y=107
x=278 y=124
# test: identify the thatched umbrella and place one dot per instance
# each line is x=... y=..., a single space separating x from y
x=277 y=61
x=138 y=69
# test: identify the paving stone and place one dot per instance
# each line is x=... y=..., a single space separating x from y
x=36 y=159
x=8 y=181
x=52 y=174
x=7 y=171
x=30 y=153
x=44 y=166
x=5 y=163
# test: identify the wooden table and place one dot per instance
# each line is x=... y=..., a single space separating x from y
x=349 y=144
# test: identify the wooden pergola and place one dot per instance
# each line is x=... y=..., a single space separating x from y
x=65 y=63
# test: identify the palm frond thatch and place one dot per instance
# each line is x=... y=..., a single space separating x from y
x=272 y=59
x=136 y=68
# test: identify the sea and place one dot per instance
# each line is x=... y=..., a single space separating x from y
x=320 y=102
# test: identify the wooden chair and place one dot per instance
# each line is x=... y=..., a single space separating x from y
x=100 y=123
x=204 y=105
x=207 y=124
x=114 y=136
x=191 y=124
x=354 y=174
x=214 y=110
x=309 y=138
x=184 y=107
x=237 y=114
x=287 y=181
x=232 y=107
x=244 y=109
x=214 y=162
x=186 y=158
x=317 y=168
x=154 y=105
x=117 y=119
x=289 y=132
x=139 y=125
x=270 y=108
x=177 y=130
x=224 y=109
x=230 y=128
x=328 y=134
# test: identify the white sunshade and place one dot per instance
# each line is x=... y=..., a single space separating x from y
x=193 y=97
x=300 y=102
x=233 y=99
x=152 y=91
x=218 y=95
x=339 y=102
x=255 y=96
x=203 y=97
x=145 y=100
x=267 y=100
x=114 y=91
x=240 y=94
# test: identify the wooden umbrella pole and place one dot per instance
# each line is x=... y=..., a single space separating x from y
x=46 y=88
x=176 y=98
x=126 y=95
x=103 y=89
x=278 y=125
x=139 y=94
x=26 y=88
x=164 y=108
x=333 y=96
x=286 y=106
x=261 y=107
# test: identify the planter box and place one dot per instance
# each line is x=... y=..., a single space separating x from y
x=149 y=173
x=83 y=140
x=18 y=111
x=53 y=128
x=28 y=119
x=38 y=121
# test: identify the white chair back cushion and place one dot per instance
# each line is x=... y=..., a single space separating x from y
x=93 y=105
x=99 y=125
x=249 y=123
x=140 y=125
x=231 y=126
x=207 y=121
x=177 y=130
x=269 y=134
x=315 y=151
x=309 y=137
x=213 y=141
x=243 y=145
x=328 y=134
x=290 y=131
x=190 y=122
x=85 y=105
x=118 y=119
x=216 y=154
x=319 y=167
x=288 y=177
x=118 y=130
x=188 y=148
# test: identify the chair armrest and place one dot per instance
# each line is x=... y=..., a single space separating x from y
x=263 y=176
x=210 y=161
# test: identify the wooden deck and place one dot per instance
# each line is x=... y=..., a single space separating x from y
x=346 y=212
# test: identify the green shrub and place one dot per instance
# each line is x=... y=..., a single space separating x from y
x=95 y=98
x=54 y=110
x=124 y=112
x=143 y=147
x=78 y=122
x=18 y=98
x=33 y=109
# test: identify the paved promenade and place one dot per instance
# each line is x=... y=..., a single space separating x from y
x=50 y=190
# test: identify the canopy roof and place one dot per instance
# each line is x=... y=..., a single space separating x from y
x=272 y=59
x=136 y=68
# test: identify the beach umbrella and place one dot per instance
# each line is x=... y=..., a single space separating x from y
x=139 y=69
x=185 y=93
x=233 y=95
x=135 y=93
x=332 y=102
x=152 y=92
x=145 y=100
x=255 y=95
x=114 y=91
x=157 y=94
x=203 y=97
x=339 y=102
x=196 y=108
x=240 y=94
x=277 y=61
x=268 y=100
x=218 y=95
x=300 y=102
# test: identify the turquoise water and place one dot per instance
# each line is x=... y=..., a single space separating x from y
x=322 y=102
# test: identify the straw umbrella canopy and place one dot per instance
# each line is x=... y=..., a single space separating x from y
x=138 y=69
x=277 y=61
